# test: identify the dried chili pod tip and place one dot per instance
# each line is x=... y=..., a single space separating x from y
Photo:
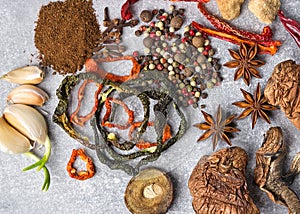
x=12 y=141
x=27 y=94
x=150 y=191
x=25 y=75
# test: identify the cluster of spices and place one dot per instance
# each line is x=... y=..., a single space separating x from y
x=21 y=125
x=109 y=146
x=186 y=60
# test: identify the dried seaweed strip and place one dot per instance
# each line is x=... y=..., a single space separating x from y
x=60 y=115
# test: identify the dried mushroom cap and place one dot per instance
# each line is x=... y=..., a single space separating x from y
x=264 y=10
x=150 y=191
x=218 y=183
x=282 y=89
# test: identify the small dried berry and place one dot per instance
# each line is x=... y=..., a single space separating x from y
x=176 y=22
x=146 y=16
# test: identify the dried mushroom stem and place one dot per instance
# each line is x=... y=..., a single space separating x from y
x=151 y=192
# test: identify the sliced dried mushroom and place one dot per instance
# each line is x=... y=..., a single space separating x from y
x=230 y=9
x=268 y=171
x=218 y=183
x=283 y=89
x=150 y=191
x=264 y=10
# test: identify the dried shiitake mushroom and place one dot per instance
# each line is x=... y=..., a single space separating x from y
x=150 y=191
x=218 y=183
x=283 y=90
x=268 y=173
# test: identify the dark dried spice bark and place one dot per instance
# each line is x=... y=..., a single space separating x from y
x=218 y=183
x=66 y=34
x=269 y=167
x=283 y=89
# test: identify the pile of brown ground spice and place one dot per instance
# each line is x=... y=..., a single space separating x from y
x=66 y=34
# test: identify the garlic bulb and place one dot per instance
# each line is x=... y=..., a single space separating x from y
x=28 y=94
x=12 y=141
x=28 y=121
x=25 y=75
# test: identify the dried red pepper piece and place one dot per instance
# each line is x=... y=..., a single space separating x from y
x=80 y=175
x=292 y=26
x=145 y=145
x=269 y=47
x=126 y=14
x=225 y=27
x=92 y=66
x=80 y=120
x=108 y=106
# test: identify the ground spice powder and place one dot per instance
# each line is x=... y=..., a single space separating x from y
x=66 y=34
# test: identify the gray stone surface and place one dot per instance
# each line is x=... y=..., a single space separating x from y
x=20 y=191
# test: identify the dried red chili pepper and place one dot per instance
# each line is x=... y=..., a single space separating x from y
x=81 y=175
x=80 y=120
x=292 y=26
x=225 y=27
x=269 y=47
x=108 y=106
x=125 y=10
x=92 y=66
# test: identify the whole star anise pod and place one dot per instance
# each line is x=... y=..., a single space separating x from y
x=245 y=63
x=255 y=105
x=216 y=127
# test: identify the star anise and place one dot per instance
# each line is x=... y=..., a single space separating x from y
x=216 y=127
x=255 y=105
x=245 y=63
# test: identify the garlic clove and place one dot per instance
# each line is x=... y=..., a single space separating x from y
x=12 y=141
x=25 y=75
x=28 y=121
x=27 y=94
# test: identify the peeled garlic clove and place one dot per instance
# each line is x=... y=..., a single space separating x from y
x=25 y=75
x=27 y=94
x=28 y=121
x=12 y=141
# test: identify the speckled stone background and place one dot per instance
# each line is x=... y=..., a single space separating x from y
x=20 y=191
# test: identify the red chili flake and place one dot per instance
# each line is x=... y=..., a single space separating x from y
x=81 y=175
x=125 y=10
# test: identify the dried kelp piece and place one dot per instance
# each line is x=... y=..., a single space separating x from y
x=105 y=148
x=150 y=191
x=268 y=171
x=218 y=183
x=283 y=89
x=63 y=93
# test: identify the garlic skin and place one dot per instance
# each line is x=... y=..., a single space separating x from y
x=28 y=121
x=25 y=75
x=27 y=94
x=12 y=141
